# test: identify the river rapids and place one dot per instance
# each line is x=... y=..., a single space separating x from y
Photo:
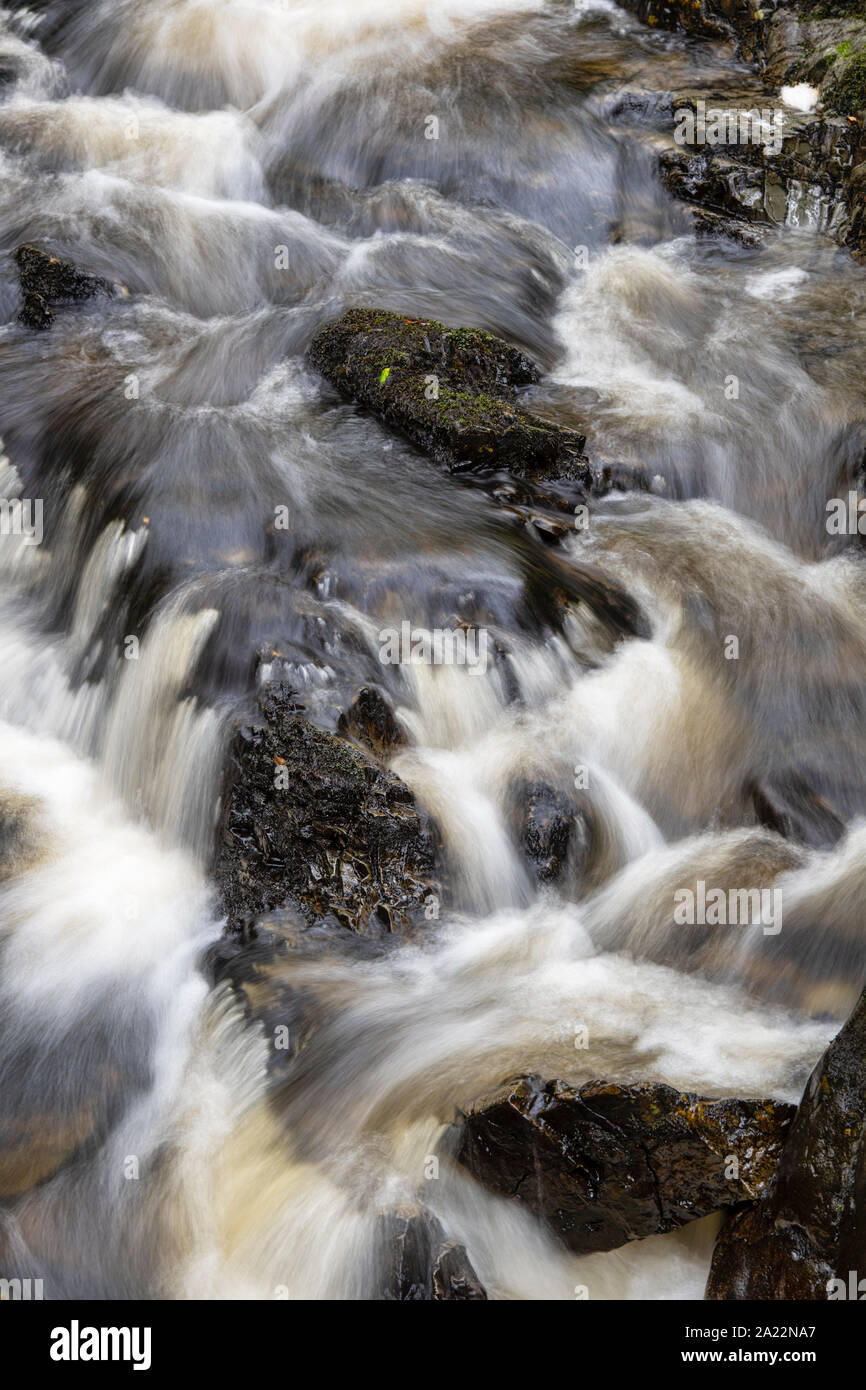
x=248 y=169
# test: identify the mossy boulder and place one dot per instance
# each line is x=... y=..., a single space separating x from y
x=608 y=1163
x=451 y=391
x=846 y=94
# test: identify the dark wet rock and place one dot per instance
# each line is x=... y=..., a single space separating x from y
x=817 y=178
x=548 y=826
x=804 y=181
x=706 y=19
x=814 y=43
x=35 y=312
x=856 y=235
x=311 y=821
x=417 y=1262
x=707 y=223
x=371 y=721
x=824 y=43
x=846 y=90
x=791 y=40
x=722 y=185
x=386 y=362
x=789 y=805
x=554 y=582
x=551 y=829
x=809 y=1226
x=755 y=1259
x=47 y=280
x=611 y=1163
x=451 y=391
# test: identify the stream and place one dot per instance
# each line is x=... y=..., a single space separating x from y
x=248 y=169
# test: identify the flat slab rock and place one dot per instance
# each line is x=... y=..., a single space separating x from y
x=606 y=1164
x=314 y=822
x=451 y=391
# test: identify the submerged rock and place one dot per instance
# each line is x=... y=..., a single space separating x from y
x=416 y=1262
x=257 y=963
x=451 y=391
x=47 y=280
x=611 y=1163
x=252 y=962
x=809 y=1227
x=791 y=807
x=311 y=821
x=554 y=582
x=34 y=1148
x=42 y=1133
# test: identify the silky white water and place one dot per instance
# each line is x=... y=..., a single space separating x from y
x=247 y=168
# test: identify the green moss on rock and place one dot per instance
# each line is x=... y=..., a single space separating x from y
x=848 y=93
x=451 y=391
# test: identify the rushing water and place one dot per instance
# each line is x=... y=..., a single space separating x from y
x=177 y=146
